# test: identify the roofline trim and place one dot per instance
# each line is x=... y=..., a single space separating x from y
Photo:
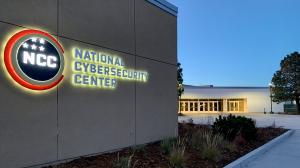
x=165 y=5
x=226 y=87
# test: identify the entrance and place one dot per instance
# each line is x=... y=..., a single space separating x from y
x=213 y=105
x=234 y=106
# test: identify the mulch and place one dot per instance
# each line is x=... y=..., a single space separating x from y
x=152 y=157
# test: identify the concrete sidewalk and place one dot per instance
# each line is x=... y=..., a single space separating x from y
x=283 y=155
x=262 y=120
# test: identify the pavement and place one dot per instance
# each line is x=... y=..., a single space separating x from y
x=262 y=120
x=285 y=154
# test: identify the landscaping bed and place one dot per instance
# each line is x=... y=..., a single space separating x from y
x=155 y=155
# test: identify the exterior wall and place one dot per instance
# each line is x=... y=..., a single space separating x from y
x=69 y=122
x=258 y=98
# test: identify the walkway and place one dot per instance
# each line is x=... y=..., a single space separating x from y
x=262 y=120
x=286 y=154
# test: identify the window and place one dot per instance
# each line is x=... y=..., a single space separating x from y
x=181 y=106
x=211 y=106
x=206 y=106
x=201 y=106
x=196 y=106
x=191 y=106
x=216 y=106
x=186 y=106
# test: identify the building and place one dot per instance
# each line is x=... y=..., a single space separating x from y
x=84 y=77
x=197 y=99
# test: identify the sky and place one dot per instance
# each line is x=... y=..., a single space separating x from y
x=235 y=42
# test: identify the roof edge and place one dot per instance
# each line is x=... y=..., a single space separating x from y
x=226 y=87
x=165 y=5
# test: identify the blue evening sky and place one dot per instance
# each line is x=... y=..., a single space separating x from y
x=235 y=42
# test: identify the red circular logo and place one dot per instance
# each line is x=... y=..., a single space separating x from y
x=34 y=59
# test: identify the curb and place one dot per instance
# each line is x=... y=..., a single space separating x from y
x=243 y=161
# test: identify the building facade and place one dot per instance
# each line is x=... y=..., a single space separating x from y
x=197 y=99
x=84 y=77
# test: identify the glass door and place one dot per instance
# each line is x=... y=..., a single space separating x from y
x=234 y=106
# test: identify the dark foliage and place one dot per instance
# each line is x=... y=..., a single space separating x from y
x=232 y=126
x=180 y=88
x=286 y=80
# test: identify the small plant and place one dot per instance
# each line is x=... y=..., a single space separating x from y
x=210 y=120
x=124 y=162
x=198 y=139
x=208 y=144
x=180 y=114
x=211 y=150
x=212 y=154
x=167 y=144
x=273 y=124
x=177 y=158
x=239 y=140
x=231 y=147
x=139 y=148
x=231 y=126
x=204 y=138
x=190 y=121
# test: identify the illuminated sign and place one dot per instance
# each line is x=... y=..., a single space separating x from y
x=101 y=70
x=34 y=59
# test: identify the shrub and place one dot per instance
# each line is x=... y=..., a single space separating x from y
x=177 y=158
x=239 y=140
x=124 y=162
x=231 y=126
x=167 y=144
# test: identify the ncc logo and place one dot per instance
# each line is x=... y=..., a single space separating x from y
x=34 y=59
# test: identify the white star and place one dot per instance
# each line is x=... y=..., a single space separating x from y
x=33 y=47
x=42 y=48
x=42 y=41
x=33 y=39
x=25 y=45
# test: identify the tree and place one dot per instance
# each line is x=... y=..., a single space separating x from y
x=180 y=88
x=286 y=81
